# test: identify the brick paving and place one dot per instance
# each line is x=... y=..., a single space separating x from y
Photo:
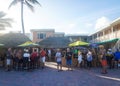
x=51 y=77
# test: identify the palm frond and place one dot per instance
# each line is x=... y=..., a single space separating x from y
x=14 y=2
x=34 y=2
x=2 y=27
x=2 y=14
x=29 y=5
x=4 y=22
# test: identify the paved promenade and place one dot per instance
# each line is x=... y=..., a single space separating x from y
x=51 y=77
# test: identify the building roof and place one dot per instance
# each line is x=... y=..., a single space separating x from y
x=43 y=30
x=76 y=35
x=105 y=27
x=13 y=39
x=59 y=33
x=116 y=21
x=55 y=42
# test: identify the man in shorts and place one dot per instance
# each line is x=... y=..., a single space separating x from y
x=58 y=57
x=8 y=59
x=42 y=57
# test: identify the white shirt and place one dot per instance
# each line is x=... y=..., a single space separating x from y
x=89 y=56
x=26 y=55
x=79 y=57
x=58 y=56
x=49 y=51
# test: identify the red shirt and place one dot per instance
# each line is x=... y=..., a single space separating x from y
x=42 y=53
x=34 y=55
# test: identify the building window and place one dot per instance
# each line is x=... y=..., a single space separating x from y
x=41 y=35
x=95 y=36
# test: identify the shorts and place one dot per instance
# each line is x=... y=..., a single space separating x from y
x=25 y=60
x=8 y=61
x=69 y=62
x=16 y=60
x=79 y=61
x=36 y=59
x=43 y=59
x=20 y=61
x=59 y=62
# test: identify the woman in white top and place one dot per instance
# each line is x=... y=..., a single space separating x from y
x=79 y=59
x=89 y=59
x=26 y=58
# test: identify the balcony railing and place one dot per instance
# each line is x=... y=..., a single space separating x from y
x=107 y=37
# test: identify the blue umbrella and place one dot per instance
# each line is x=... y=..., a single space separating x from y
x=93 y=45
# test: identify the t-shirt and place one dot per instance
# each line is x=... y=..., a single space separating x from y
x=117 y=55
x=8 y=55
x=89 y=56
x=109 y=55
x=68 y=55
x=49 y=51
x=34 y=55
x=42 y=53
x=26 y=55
x=79 y=57
x=58 y=56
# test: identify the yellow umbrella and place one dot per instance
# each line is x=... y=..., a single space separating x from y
x=27 y=44
x=78 y=43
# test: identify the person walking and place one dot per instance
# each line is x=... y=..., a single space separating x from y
x=58 y=58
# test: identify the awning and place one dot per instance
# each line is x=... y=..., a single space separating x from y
x=78 y=43
x=28 y=44
x=108 y=41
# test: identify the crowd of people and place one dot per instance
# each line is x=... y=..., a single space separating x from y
x=88 y=58
x=23 y=59
x=28 y=58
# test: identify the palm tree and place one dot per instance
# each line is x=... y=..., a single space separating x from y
x=4 y=22
x=28 y=3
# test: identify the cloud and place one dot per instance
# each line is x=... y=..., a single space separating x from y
x=72 y=25
x=70 y=28
x=101 y=22
x=89 y=25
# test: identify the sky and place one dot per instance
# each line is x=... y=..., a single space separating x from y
x=68 y=16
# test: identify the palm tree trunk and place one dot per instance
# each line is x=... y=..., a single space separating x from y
x=22 y=21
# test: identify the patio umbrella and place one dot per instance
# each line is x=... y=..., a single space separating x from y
x=28 y=44
x=93 y=45
x=78 y=43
